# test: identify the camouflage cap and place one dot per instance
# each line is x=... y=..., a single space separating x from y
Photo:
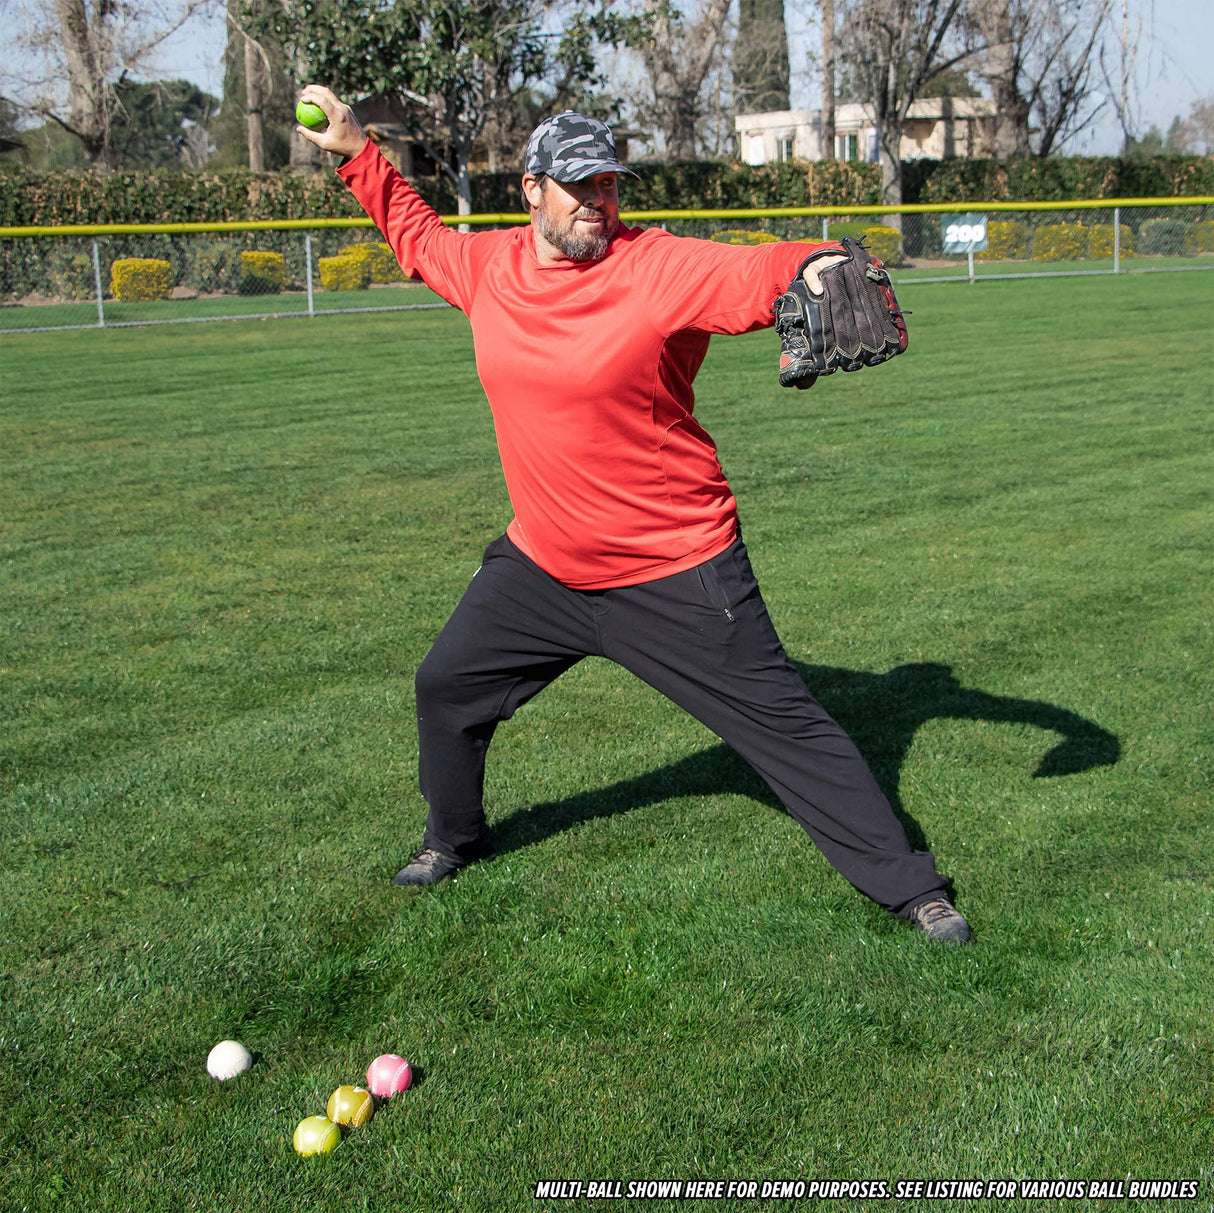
x=570 y=147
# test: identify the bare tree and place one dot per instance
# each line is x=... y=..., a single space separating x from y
x=828 y=80
x=892 y=48
x=679 y=55
x=1197 y=130
x=77 y=50
x=1041 y=60
x=1004 y=31
x=564 y=78
x=1117 y=64
x=1059 y=68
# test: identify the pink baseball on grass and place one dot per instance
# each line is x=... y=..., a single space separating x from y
x=389 y=1075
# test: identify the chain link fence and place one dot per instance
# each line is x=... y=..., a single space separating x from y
x=52 y=281
x=1037 y=241
x=55 y=280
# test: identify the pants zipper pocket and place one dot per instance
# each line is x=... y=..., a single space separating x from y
x=710 y=581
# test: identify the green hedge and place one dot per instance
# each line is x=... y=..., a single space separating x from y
x=169 y=196
x=1032 y=180
x=165 y=196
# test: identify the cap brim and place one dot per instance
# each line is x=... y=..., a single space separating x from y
x=585 y=170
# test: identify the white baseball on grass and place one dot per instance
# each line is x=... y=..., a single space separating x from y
x=227 y=1059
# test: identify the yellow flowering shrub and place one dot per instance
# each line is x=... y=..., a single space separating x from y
x=262 y=273
x=1006 y=240
x=738 y=236
x=883 y=242
x=135 y=279
x=1060 y=242
x=1199 y=238
x=384 y=266
x=344 y=273
x=1100 y=241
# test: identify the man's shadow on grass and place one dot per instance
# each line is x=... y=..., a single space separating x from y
x=881 y=712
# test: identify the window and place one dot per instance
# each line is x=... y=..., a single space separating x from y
x=754 y=150
x=784 y=146
x=847 y=147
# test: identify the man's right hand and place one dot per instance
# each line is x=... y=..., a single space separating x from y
x=344 y=135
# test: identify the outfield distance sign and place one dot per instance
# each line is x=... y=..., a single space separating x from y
x=964 y=233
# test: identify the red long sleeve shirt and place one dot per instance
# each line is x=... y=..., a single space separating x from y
x=588 y=369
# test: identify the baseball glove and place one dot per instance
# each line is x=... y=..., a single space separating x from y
x=855 y=322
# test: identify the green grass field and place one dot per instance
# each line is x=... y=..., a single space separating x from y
x=80 y=314
x=22 y=317
x=226 y=549
x=959 y=268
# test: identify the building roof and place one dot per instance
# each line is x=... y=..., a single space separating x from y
x=852 y=112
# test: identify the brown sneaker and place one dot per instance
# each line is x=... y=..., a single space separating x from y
x=428 y=866
x=939 y=920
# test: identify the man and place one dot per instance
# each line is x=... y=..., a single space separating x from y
x=625 y=540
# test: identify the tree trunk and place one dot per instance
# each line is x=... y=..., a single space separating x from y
x=760 y=57
x=87 y=111
x=1010 y=136
x=895 y=47
x=678 y=58
x=464 y=188
x=493 y=147
x=828 y=80
x=463 y=141
x=306 y=158
x=681 y=130
x=891 y=173
x=253 y=97
x=889 y=141
x=500 y=135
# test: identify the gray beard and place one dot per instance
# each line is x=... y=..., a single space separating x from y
x=572 y=246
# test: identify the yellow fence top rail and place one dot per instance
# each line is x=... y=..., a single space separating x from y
x=922 y=208
x=780 y=212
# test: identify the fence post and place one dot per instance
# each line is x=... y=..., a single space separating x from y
x=825 y=228
x=308 y=270
x=1116 y=240
x=97 y=284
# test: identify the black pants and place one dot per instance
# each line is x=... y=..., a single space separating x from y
x=702 y=638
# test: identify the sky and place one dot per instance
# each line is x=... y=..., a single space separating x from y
x=1174 y=65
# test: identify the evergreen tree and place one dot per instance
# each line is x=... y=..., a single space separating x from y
x=160 y=123
x=760 y=57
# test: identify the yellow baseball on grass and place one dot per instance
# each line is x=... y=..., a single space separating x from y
x=311 y=116
x=315 y=1135
x=350 y=1106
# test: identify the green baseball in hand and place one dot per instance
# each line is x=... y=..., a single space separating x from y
x=311 y=116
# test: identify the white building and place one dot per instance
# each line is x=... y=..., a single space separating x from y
x=938 y=128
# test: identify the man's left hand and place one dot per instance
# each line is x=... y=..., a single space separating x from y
x=812 y=273
x=839 y=313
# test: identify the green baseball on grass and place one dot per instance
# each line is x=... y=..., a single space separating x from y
x=315 y=1135
x=311 y=116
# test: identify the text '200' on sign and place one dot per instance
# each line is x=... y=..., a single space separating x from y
x=965 y=233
